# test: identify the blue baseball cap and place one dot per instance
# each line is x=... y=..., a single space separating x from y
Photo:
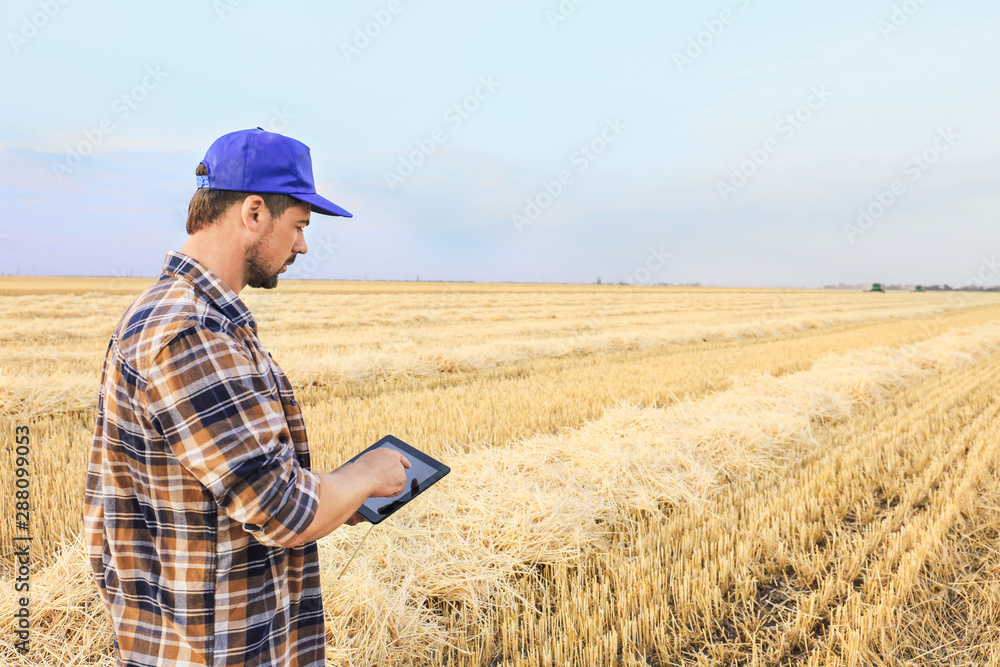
x=264 y=162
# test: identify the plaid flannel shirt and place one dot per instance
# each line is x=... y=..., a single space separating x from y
x=198 y=479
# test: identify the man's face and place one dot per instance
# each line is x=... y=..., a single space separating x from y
x=280 y=241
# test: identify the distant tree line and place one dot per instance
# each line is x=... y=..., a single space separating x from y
x=922 y=288
x=967 y=288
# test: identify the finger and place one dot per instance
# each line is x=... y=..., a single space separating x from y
x=404 y=461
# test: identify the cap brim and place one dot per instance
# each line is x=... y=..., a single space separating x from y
x=323 y=205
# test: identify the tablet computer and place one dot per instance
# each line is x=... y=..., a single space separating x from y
x=422 y=473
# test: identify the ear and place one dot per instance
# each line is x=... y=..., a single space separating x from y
x=253 y=213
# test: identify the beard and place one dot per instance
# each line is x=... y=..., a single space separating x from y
x=258 y=275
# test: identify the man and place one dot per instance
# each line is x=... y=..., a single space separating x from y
x=201 y=511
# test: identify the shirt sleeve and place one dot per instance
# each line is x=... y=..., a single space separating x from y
x=217 y=416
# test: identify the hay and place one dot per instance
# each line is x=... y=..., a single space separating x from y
x=429 y=581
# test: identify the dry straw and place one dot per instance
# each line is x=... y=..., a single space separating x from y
x=433 y=576
x=52 y=346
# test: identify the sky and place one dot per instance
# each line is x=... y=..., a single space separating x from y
x=764 y=143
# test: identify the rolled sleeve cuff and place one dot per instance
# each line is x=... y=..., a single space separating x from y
x=297 y=507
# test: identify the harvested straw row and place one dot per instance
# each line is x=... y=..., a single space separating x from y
x=807 y=563
x=493 y=406
x=486 y=408
x=430 y=585
x=318 y=363
x=61 y=345
x=548 y=500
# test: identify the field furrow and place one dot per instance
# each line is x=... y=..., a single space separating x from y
x=640 y=477
x=485 y=408
x=811 y=563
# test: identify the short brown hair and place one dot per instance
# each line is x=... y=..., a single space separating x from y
x=208 y=205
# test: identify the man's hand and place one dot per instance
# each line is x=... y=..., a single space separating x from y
x=386 y=468
x=379 y=473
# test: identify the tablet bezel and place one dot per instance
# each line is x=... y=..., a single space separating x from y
x=440 y=470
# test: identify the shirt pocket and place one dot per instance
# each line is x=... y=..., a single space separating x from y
x=265 y=380
x=284 y=387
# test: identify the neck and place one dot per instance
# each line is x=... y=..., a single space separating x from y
x=217 y=255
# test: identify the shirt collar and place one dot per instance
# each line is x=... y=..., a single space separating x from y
x=179 y=265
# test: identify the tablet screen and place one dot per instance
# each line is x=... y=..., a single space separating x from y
x=422 y=473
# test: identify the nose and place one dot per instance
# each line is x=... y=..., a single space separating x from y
x=300 y=245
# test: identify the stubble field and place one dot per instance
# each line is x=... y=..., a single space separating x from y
x=641 y=476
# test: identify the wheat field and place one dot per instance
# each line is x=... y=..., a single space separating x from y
x=640 y=475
